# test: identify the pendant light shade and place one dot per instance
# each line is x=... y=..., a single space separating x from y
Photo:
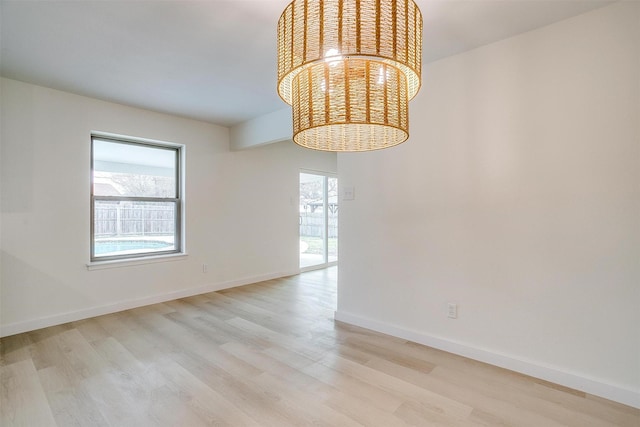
x=348 y=68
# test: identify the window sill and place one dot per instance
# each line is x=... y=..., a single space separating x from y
x=118 y=263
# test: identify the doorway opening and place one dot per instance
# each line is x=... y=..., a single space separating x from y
x=318 y=218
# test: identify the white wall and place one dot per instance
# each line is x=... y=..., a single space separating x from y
x=241 y=209
x=518 y=198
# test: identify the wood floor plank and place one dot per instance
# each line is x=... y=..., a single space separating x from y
x=73 y=406
x=433 y=402
x=22 y=399
x=486 y=408
x=349 y=385
x=14 y=349
x=267 y=354
x=210 y=405
x=537 y=409
x=305 y=403
x=260 y=404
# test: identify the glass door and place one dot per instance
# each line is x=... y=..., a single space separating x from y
x=318 y=220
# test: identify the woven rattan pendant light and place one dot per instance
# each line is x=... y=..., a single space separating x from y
x=348 y=68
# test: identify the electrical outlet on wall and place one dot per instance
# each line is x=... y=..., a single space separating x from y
x=452 y=310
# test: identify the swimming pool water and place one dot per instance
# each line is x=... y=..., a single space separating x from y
x=108 y=246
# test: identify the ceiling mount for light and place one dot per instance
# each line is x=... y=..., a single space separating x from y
x=348 y=68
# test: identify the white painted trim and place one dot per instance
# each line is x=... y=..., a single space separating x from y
x=317 y=267
x=118 y=263
x=71 y=316
x=548 y=373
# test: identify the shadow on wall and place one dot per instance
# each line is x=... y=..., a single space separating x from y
x=37 y=291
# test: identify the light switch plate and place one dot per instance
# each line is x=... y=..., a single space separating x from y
x=348 y=193
x=452 y=310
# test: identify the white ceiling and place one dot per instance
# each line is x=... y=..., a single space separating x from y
x=211 y=60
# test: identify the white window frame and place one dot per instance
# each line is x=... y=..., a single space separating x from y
x=179 y=241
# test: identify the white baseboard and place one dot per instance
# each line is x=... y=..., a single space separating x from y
x=72 y=316
x=547 y=373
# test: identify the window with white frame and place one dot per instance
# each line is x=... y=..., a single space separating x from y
x=135 y=198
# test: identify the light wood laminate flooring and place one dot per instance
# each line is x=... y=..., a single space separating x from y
x=267 y=354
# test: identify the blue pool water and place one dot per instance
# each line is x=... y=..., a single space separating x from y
x=108 y=246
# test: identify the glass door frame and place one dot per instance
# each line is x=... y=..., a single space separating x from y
x=325 y=197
